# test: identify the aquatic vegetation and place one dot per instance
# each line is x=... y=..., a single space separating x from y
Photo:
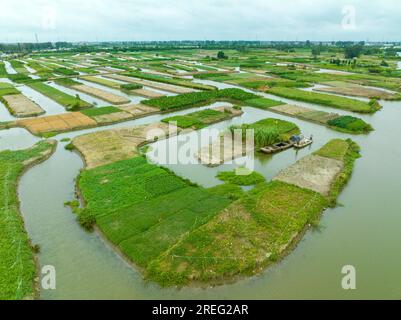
x=268 y=131
x=350 y=123
x=17 y=265
x=241 y=176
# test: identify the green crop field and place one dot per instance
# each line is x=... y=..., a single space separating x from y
x=188 y=100
x=66 y=100
x=142 y=208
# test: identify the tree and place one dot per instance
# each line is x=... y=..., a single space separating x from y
x=352 y=52
x=221 y=55
x=316 y=51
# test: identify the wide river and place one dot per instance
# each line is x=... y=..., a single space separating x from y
x=364 y=231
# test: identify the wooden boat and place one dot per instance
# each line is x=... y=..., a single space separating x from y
x=303 y=143
x=277 y=147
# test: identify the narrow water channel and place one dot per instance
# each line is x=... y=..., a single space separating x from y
x=364 y=231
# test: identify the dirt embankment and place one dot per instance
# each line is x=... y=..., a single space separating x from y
x=101 y=94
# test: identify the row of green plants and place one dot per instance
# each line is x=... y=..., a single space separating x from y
x=193 y=99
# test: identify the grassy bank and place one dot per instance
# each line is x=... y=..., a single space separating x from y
x=66 y=100
x=326 y=100
x=346 y=151
x=17 y=264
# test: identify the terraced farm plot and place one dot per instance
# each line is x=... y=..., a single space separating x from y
x=104 y=147
x=69 y=102
x=21 y=106
x=58 y=123
x=101 y=94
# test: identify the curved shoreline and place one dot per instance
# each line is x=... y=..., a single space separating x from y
x=36 y=280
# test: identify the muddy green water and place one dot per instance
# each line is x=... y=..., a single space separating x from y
x=364 y=232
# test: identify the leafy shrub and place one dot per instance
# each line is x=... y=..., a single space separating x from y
x=131 y=86
x=350 y=123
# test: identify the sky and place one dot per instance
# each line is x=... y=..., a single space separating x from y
x=146 y=20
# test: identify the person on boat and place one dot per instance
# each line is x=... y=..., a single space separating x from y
x=311 y=137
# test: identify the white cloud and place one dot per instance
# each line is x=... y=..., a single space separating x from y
x=79 y=20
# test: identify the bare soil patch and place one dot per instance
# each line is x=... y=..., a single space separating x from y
x=104 y=95
x=312 y=172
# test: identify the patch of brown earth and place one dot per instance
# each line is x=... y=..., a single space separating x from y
x=312 y=172
x=21 y=106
